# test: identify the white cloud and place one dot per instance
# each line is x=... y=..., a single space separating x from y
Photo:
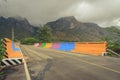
x=41 y=11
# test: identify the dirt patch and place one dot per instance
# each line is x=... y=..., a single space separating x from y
x=13 y=73
x=6 y=71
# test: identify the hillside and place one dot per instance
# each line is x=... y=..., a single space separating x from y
x=69 y=29
x=22 y=27
x=63 y=29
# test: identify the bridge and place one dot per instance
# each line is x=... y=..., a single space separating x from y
x=48 y=64
x=60 y=63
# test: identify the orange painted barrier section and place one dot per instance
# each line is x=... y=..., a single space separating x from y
x=10 y=51
x=48 y=45
x=93 y=48
x=7 y=40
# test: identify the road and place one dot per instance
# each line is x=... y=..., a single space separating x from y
x=48 y=64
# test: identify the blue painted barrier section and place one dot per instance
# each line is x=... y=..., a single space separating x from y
x=62 y=46
x=66 y=46
x=71 y=46
x=14 y=48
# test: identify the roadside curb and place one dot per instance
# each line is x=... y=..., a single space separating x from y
x=25 y=67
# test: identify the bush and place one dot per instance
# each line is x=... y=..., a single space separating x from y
x=2 y=51
x=115 y=46
x=29 y=41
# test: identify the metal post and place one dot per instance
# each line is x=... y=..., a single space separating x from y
x=12 y=33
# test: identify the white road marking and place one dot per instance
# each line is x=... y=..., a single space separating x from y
x=113 y=70
x=99 y=66
x=26 y=68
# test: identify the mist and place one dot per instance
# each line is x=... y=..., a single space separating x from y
x=103 y=12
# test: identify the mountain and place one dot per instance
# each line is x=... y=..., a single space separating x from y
x=113 y=33
x=22 y=27
x=70 y=29
x=63 y=29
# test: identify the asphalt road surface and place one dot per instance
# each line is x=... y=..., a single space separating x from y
x=48 y=64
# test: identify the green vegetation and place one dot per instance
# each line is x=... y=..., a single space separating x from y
x=114 y=29
x=44 y=34
x=59 y=30
x=29 y=40
x=115 y=46
x=2 y=51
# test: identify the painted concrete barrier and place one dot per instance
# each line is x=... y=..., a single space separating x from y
x=93 y=48
x=36 y=44
x=13 y=52
x=62 y=46
x=40 y=44
x=14 y=47
x=55 y=45
x=70 y=46
x=12 y=55
x=48 y=45
x=66 y=46
x=43 y=45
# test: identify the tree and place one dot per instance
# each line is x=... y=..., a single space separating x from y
x=115 y=46
x=44 y=34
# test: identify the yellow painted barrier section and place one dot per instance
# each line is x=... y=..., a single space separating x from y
x=48 y=45
x=94 y=48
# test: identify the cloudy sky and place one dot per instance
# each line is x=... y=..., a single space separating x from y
x=102 y=12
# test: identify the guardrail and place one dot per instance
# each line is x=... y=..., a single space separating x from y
x=113 y=52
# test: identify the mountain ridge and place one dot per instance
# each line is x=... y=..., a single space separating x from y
x=69 y=29
x=22 y=28
x=63 y=29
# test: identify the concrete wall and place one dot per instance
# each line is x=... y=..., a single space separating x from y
x=93 y=48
